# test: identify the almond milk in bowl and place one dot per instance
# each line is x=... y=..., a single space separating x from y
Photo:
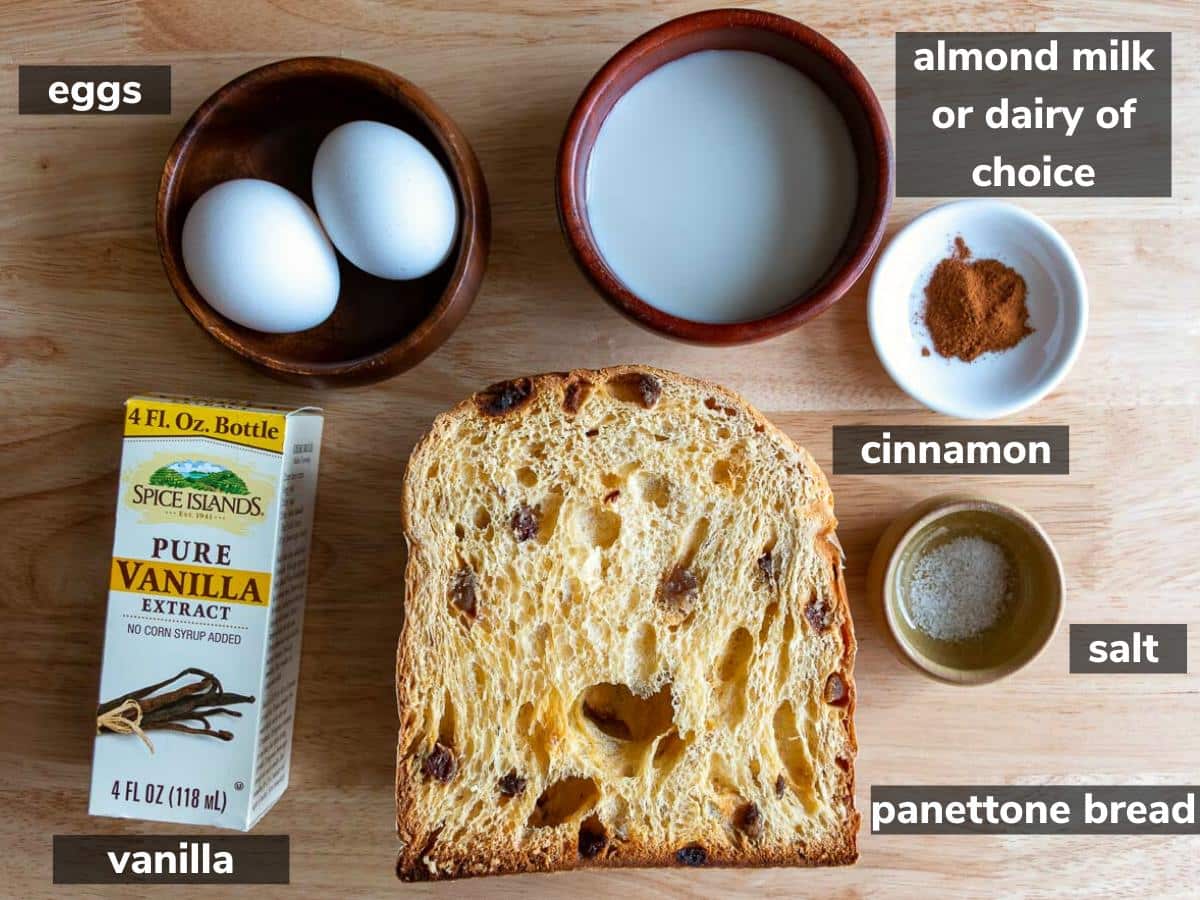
x=725 y=177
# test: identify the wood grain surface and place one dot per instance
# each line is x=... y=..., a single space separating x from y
x=87 y=318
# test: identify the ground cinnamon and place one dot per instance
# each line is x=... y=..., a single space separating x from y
x=974 y=307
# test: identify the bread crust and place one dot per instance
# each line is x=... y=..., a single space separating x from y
x=500 y=856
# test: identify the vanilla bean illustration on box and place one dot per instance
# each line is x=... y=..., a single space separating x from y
x=145 y=710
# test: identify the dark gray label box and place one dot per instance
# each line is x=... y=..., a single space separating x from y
x=1034 y=809
x=951 y=450
x=173 y=859
x=1127 y=73
x=1129 y=648
x=94 y=90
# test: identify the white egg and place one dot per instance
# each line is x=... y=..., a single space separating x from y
x=258 y=255
x=385 y=201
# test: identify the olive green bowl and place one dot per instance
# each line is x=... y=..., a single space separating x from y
x=1028 y=620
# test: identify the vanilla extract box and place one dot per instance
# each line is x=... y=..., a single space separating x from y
x=205 y=610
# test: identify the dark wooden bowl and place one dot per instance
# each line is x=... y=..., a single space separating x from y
x=268 y=124
x=731 y=29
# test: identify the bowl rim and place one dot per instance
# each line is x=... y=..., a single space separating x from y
x=942 y=506
x=1078 y=296
x=473 y=230
x=572 y=207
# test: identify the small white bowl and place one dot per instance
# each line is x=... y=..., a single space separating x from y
x=995 y=384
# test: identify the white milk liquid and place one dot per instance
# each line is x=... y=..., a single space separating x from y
x=721 y=186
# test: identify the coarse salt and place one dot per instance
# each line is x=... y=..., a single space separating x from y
x=960 y=588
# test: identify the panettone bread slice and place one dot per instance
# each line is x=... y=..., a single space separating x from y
x=626 y=637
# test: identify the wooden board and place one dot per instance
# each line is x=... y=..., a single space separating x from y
x=86 y=318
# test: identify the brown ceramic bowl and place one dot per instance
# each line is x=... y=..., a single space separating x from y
x=731 y=29
x=268 y=124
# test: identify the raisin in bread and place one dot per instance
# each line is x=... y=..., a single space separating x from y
x=627 y=641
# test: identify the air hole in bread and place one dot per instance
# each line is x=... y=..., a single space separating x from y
x=721 y=473
x=432 y=471
x=527 y=476
x=619 y=713
x=572 y=593
x=476 y=812
x=597 y=527
x=730 y=471
x=812 y=715
x=652 y=489
x=783 y=673
x=541 y=641
x=459 y=531
x=669 y=752
x=551 y=506
x=724 y=433
x=732 y=674
x=768 y=619
x=563 y=801
x=482 y=518
x=535 y=735
x=447 y=724
x=794 y=752
x=722 y=780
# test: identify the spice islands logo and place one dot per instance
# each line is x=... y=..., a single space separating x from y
x=199 y=476
x=172 y=489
